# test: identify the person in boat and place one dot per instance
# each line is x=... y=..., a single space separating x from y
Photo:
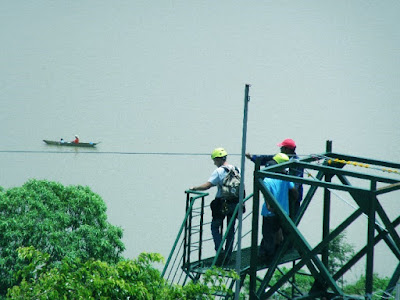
x=271 y=228
x=62 y=141
x=219 y=156
x=288 y=147
x=76 y=140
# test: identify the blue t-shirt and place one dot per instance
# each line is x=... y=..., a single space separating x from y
x=295 y=171
x=280 y=190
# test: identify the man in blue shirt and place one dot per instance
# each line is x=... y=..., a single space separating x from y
x=288 y=147
x=280 y=189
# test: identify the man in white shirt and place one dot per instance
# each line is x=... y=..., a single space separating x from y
x=219 y=156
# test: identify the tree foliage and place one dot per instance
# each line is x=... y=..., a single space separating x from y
x=56 y=243
x=340 y=251
x=94 y=279
x=379 y=285
x=66 y=223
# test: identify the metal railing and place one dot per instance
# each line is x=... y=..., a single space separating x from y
x=193 y=250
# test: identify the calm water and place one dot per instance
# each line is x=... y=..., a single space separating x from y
x=149 y=83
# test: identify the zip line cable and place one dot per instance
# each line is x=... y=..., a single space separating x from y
x=110 y=152
x=316 y=156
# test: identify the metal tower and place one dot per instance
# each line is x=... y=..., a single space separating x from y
x=328 y=177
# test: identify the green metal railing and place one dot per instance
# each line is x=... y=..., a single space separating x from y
x=186 y=260
x=172 y=263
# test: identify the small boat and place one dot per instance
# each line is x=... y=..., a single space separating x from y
x=71 y=144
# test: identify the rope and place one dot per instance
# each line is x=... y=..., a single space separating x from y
x=330 y=161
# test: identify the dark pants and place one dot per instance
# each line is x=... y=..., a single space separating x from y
x=270 y=228
x=217 y=225
x=216 y=230
x=294 y=206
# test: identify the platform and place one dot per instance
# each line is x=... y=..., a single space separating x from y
x=203 y=265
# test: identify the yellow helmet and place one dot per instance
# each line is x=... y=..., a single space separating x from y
x=280 y=158
x=218 y=152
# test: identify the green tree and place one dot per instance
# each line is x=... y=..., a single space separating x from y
x=302 y=282
x=94 y=279
x=64 y=222
x=339 y=252
x=378 y=286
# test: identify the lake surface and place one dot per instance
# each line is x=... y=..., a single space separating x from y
x=161 y=88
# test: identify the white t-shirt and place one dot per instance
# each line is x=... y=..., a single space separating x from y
x=217 y=177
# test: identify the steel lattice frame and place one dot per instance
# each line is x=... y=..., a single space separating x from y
x=316 y=258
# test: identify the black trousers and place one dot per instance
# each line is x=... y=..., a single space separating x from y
x=270 y=228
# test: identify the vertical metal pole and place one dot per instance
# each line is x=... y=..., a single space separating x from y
x=370 y=240
x=327 y=208
x=254 y=234
x=189 y=242
x=240 y=213
x=201 y=228
x=186 y=230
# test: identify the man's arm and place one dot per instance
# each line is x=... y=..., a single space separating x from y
x=263 y=158
x=268 y=206
x=203 y=187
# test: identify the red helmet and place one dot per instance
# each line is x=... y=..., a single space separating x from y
x=288 y=143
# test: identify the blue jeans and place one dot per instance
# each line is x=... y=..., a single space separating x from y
x=216 y=230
